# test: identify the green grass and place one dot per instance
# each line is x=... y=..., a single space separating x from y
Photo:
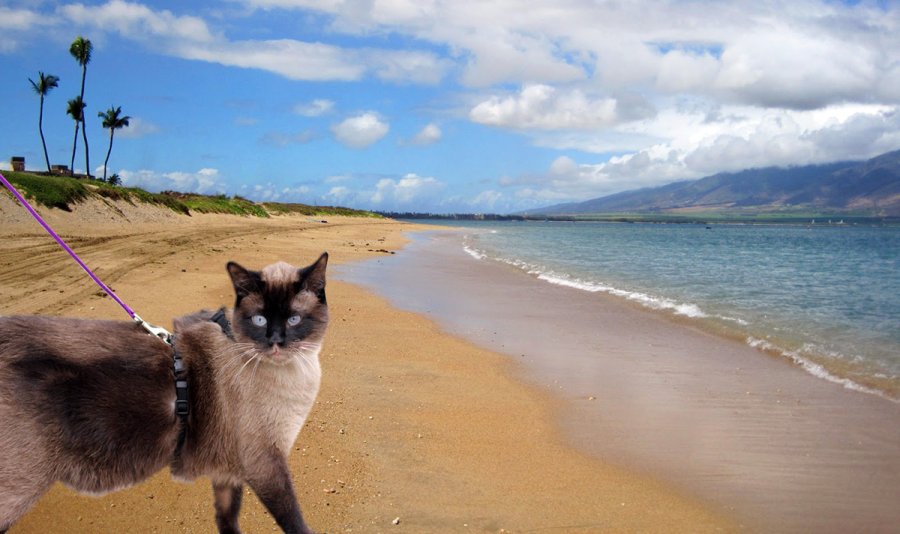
x=134 y=194
x=280 y=208
x=63 y=192
x=51 y=191
x=221 y=204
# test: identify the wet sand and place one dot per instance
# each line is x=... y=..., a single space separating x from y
x=411 y=423
x=738 y=428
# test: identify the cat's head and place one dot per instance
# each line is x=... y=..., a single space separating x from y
x=281 y=309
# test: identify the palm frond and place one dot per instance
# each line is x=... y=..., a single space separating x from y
x=45 y=83
x=81 y=50
x=75 y=108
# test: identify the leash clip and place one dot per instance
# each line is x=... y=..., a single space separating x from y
x=164 y=335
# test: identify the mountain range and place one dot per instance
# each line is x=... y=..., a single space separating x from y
x=867 y=188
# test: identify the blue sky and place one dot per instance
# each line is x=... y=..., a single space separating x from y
x=452 y=106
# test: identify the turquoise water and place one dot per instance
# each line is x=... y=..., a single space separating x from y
x=827 y=297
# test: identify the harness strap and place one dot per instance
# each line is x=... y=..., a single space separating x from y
x=182 y=404
x=222 y=320
x=182 y=398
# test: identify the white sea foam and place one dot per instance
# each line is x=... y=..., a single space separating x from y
x=812 y=367
x=656 y=303
x=474 y=253
x=548 y=275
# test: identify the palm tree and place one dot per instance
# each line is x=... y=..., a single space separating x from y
x=76 y=110
x=113 y=121
x=81 y=49
x=43 y=86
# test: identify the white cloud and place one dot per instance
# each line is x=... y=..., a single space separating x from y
x=546 y=108
x=137 y=128
x=295 y=60
x=782 y=67
x=18 y=19
x=408 y=193
x=190 y=37
x=428 y=135
x=205 y=180
x=339 y=193
x=682 y=71
x=361 y=131
x=740 y=138
x=137 y=21
x=272 y=192
x=487 y=200
x=406 y=65
x=807 y=54
x=314 y=108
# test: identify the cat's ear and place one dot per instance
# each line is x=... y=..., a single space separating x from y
x=244 y=281
x=312 y=278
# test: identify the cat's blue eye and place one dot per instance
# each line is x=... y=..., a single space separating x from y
x=294 y=320
x=258 y=320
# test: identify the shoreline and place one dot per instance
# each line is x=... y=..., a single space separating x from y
x=822 y=347
x=411 y=423
x=726 y=422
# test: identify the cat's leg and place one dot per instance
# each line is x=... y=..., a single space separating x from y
x=25 y=468
x=228 y=506
x=271 y=480
x=17 y=496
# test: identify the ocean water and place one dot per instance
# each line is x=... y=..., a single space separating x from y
x=826 y=297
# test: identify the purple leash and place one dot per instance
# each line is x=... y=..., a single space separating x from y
x=161 y=333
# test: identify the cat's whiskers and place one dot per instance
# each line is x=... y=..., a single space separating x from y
x=241 y=352
x=250 y=359
x=255 y=367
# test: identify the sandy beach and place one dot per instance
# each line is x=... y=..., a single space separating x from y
x=414 y=430
x=749 y=431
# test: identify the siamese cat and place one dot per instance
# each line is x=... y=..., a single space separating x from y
x=92 y=403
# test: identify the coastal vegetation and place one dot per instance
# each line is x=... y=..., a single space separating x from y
x=75 y=109
x=113 y=120
x=45 y=83
x=81 y=50
x=64 y=193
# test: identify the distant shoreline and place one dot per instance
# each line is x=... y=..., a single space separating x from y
x=711 y=219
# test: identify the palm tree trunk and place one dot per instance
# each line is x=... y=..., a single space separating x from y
x=112 y=131
x=41 y=130
x=74 y=146
x=87 y=158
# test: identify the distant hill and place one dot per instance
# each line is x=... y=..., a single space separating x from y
x=870 y=188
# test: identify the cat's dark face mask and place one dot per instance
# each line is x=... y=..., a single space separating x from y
x=280 y=308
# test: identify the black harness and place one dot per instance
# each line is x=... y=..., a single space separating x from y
x=182 y=397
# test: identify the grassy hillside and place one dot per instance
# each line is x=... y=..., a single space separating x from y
x=63 y=193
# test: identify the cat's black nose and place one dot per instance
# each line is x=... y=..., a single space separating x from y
x=276 y=339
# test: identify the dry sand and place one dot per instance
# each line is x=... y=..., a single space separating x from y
x=410 y=423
